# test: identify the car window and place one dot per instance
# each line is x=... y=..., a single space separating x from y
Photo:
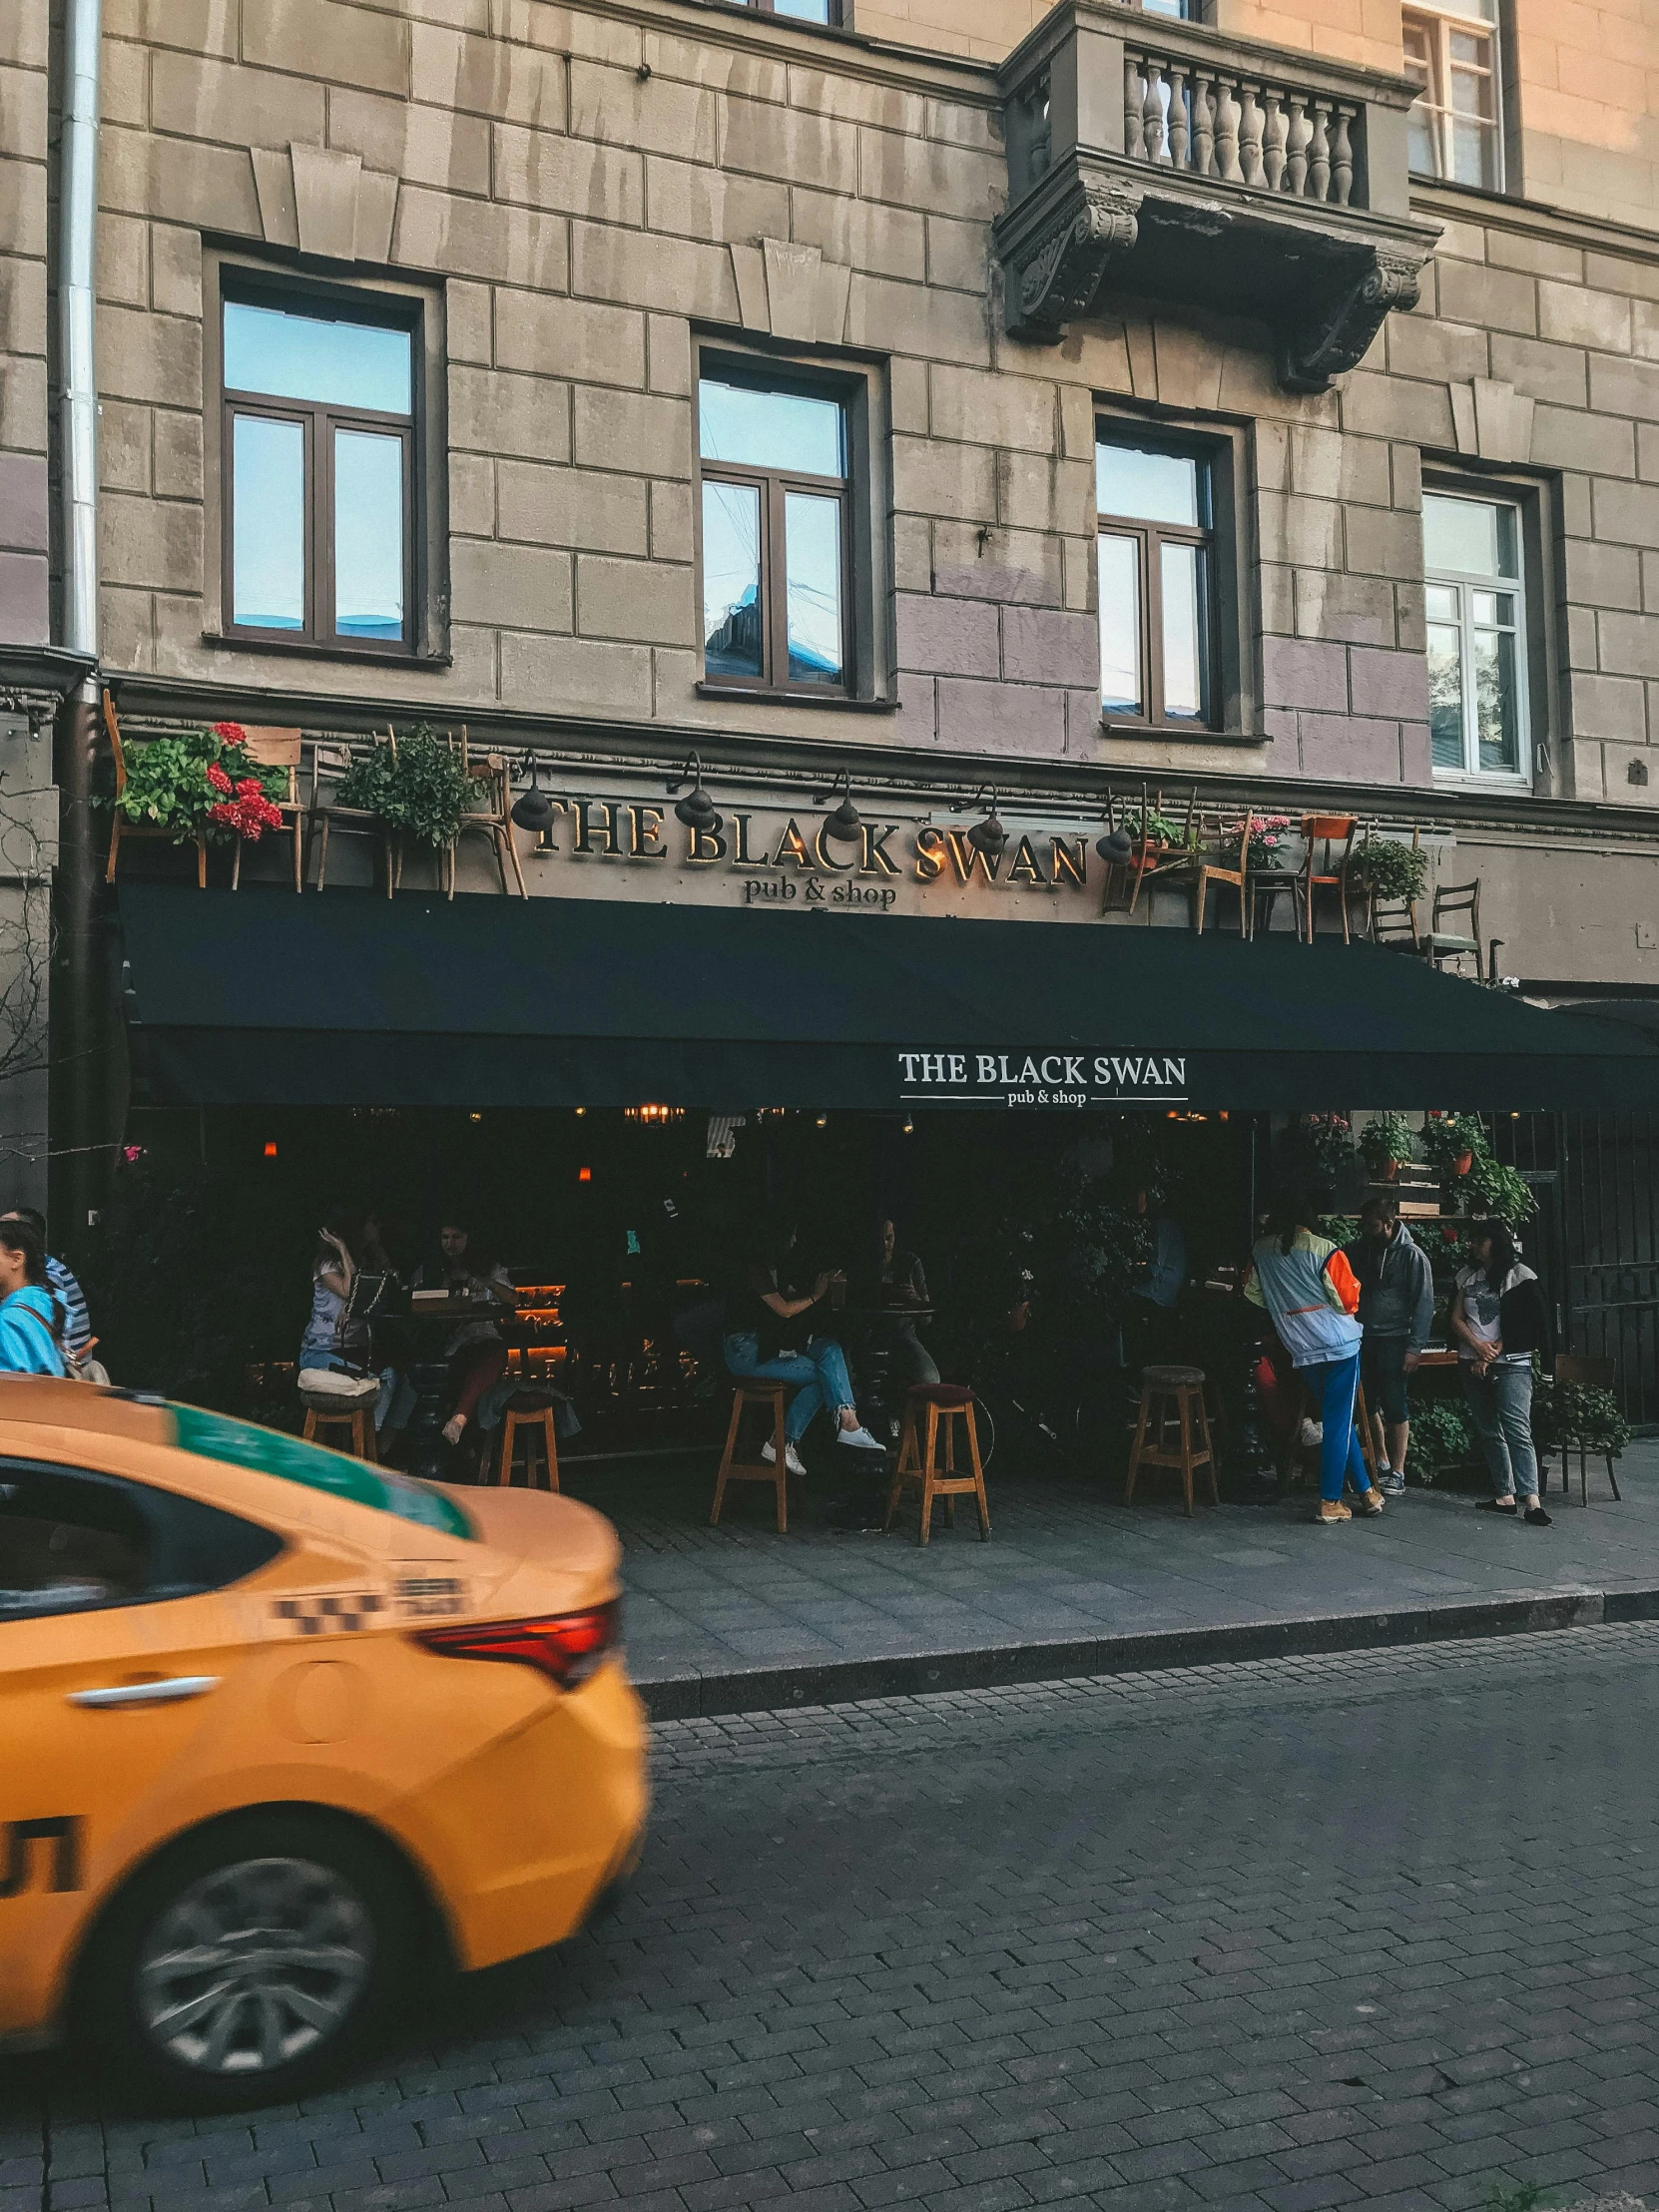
x=74 y=1542
x=269 y=1452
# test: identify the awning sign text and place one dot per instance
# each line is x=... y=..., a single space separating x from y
x=1042 y=1078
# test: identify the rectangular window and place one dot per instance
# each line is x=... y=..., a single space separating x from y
x=1156 y=556
x=831 y=12
x=1455 y=125
x=776 y=534
x=1477 y=637
x=319 y=475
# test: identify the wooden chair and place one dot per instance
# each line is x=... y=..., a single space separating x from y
x=531 y=1411
x=1326 y=858
x=1393 y=921
x=1595 y=1375
x=281 y=748
x=1173 y=1399
x=1440 y=944
x=1165 y=862
x=329 y=764
x=120 y=830
x=733 y=1469
x=493 y=818
x=947 y=1403
x=1208 y=871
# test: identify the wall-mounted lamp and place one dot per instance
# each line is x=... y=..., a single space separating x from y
x=697 y=810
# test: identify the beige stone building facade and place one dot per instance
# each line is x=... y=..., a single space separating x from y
x=951 y=395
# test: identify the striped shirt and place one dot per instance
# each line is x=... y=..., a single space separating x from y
x=77 y=1322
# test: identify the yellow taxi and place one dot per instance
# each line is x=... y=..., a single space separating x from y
x=275 y=1726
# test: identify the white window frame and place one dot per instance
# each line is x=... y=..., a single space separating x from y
x=1439 y=25
x=1466 y=582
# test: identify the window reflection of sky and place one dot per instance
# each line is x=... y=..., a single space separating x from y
x=368 y=535
x=297 y=357
x=268 y=551
x=772 y=429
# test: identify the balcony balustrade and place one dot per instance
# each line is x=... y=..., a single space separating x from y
x=1213 y=171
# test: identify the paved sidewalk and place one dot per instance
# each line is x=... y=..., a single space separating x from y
x=722 y=1619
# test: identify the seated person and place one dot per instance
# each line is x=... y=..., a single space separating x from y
x=760 y=1343
x=333 y=1270
x=898 y=1287
x=477 y=1355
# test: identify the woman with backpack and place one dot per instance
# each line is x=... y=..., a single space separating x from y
x=31 y=1319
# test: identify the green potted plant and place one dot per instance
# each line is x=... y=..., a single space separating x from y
x=1389 y=869
x=1324 y=1141
x=416 y=784
x=200 y=781
x=1497 y=1192
x=1450 y=1141
x=1387 y=1143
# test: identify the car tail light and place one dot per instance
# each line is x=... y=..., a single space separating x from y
x=566 y=1647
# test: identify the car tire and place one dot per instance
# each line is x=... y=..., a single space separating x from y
x=250 y=1962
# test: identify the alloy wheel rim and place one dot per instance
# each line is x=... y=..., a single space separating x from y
x=254 y=1966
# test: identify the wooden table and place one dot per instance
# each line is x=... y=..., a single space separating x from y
x=424 y=1333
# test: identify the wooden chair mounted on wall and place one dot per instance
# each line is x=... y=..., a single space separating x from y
x=271 y=748
x=1393 y=921
x=1150 y=862
x=1440 y=944
x=329 y=764
x=493 y=818
x=120 y=830
x=1334 y=833
x=1218 y=870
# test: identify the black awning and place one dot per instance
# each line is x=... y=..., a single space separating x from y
x=347 y=998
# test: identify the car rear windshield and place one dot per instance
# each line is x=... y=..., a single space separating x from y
x=269 y=1451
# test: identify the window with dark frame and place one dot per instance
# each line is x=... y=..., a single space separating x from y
x=318 y=474
x=1156 y=553
x=1456 y=127
x=831 y=12
x=776 y=535
x=1477 y=637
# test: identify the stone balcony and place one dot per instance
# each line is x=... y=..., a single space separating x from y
x=1165 y=160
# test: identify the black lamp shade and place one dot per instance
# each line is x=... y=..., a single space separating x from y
x=1116 y=848
x=533 y=811
x=845 y=823
x=988 y=836
x=697 y=811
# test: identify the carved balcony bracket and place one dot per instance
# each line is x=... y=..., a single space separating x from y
x=1164 y=161
x=1062 y=264
x=1330 y=331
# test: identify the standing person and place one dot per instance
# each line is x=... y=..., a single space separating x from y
x=759 y=1343
x=77 y=1322
x=1500 y=1318
x=899 y=1291
x=31 y=1319
x=476 y=1354
x=1396 y=1312
x=1308 y=1287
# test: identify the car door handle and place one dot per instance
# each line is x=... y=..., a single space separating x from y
x=147 y=1693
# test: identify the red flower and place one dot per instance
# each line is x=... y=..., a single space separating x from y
x=231 y=733
x=218 y=777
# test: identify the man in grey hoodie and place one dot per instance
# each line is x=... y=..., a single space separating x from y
x=1396 y=1312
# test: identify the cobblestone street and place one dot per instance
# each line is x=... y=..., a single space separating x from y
x=1285 y=1935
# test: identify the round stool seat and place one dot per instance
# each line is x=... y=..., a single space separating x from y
x=530 y=1402
x=339 y=1404
x=942 y=1393
x=1172 y=1378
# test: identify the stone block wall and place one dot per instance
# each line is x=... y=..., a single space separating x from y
x=24 y=546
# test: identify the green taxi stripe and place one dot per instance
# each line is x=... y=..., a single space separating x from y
x=269 y=1451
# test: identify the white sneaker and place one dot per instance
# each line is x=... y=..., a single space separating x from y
x=792 y=1458
x=859 y=1439
x=1313 y=1433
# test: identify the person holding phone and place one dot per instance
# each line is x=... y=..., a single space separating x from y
x=333 y=1270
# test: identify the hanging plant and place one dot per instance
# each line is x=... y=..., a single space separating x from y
x=1497 y=1192
x=1388 y=1143
x=421 y=790
x=1323 y=1140
x=1391 y=869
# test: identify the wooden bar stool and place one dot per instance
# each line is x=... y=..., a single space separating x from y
x=326 y=1409
x=734 y=1469
x=532 y=1412
x=1173 y=1396
x=947 y=1403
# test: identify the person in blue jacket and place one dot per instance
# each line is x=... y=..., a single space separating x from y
x=31 y=1319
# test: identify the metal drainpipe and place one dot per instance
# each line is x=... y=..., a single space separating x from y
x=75 y=1025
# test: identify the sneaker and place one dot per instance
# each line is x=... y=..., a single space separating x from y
x=792 y=1458
x=859 y=1439
x=1391 y=1483
x=1313 y=1434
x=1331 y=1509
x=1371 y=1501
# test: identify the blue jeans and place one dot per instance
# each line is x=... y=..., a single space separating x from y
x=1335 y=1382
x=821 y=1370
x=1501 y=1403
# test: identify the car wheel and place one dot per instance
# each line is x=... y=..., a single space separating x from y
x=251 y=1961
